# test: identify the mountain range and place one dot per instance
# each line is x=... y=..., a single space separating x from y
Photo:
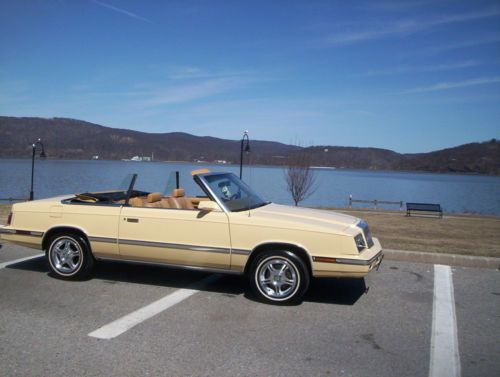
x=65 y=138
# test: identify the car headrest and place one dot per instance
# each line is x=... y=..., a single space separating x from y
x=178 y=193
x=154 y=197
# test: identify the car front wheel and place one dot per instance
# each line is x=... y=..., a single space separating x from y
x=279 y=277
x=69 y=256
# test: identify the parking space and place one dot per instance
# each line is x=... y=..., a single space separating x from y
x=13 y=252
x=477 y=295
x=380 y=325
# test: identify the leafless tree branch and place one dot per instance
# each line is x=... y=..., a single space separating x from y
x=300 y=178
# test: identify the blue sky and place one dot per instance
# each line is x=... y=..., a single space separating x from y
x=411 y=76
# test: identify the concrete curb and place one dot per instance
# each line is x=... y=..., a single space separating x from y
x=439 y=258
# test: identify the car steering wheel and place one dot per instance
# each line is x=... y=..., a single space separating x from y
x=236 y=195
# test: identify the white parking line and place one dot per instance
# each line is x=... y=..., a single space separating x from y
x=445 y=358
x=115 y=328
x=5 y=264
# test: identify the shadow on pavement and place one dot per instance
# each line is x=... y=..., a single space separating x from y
x=36 y=264
x=328 y=291
x=345 y=291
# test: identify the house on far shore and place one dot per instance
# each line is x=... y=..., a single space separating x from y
x=140 y=159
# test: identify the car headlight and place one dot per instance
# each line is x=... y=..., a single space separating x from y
x=360 y=242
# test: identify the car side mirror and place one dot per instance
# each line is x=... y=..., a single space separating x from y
x=208 y=205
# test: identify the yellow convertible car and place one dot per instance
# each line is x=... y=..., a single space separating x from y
x=228 y=229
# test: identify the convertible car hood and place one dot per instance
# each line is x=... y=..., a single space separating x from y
x=303 y=218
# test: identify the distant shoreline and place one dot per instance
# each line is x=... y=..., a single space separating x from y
x=332 y=168
x=81 y=140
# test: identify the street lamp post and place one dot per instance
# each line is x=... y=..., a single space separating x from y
x=245 y=146
x=42 y=155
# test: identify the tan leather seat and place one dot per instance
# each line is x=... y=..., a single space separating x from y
x=136 y=202
x=178 y=200
x=164 y=203
x=153 y=200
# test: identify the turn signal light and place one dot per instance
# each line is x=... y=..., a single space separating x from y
x=324 y=259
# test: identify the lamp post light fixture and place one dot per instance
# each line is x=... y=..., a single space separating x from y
x=245 y=146
x=42 y=155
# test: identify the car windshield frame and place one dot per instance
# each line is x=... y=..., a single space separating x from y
x=124 y=192
x=210 y=183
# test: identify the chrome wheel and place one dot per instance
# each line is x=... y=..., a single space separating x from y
x=66 y=255
x=277 y=278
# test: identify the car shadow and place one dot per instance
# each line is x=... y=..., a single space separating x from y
x=329 y=291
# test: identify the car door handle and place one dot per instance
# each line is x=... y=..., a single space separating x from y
x=131 y=220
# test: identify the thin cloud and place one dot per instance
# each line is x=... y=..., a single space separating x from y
x=122 y=11
x=184 y=73
x=191 y=73
x=187 y=93
x=456 y=84
x=402 y=28
x=179 y=85
x=462 y=44
x=485 y=13
x=395 y=6
x=403 y=69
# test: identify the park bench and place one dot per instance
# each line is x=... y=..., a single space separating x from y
x=424 y=207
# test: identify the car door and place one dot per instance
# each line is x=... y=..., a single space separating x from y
x=175 y=236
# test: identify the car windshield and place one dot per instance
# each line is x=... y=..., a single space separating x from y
x=234 y=193
x=126 y=182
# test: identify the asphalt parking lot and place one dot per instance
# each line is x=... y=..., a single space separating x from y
x=382 y=325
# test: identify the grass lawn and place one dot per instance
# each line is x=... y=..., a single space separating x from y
x=453 y=234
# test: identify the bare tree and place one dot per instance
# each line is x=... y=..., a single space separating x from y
x=299 y=176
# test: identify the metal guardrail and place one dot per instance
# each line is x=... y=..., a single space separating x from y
x=375 y=202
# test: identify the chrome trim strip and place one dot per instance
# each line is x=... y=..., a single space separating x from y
x=103 y=239
x=241 y=251
x=29 y=233
x=180 y=266
x=360 y=262
x=357 y=262
x=209 y=249
x=175 y=246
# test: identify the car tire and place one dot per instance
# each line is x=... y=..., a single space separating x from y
x=279 y=277
x=69 y=256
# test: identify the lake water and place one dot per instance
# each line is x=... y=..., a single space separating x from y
x=456 y=193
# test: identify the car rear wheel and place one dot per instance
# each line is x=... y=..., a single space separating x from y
x=69 y=256
x=279 y=277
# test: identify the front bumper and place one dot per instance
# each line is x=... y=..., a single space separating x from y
x=373 y=262
x=356 y=266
